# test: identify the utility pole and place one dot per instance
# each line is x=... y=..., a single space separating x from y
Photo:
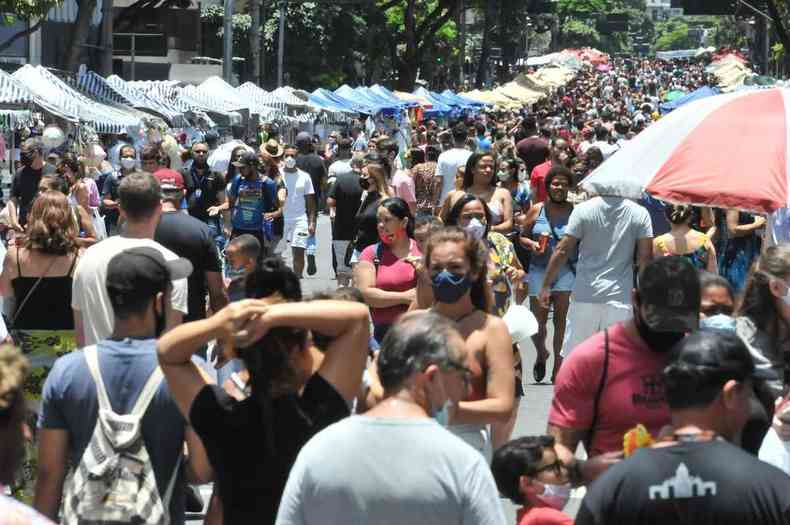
x=227 y=41
x=106 y=37
x=281 y=42
x=462 y=18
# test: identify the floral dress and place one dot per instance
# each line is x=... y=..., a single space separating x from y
x=501 y=255
x=424 y=180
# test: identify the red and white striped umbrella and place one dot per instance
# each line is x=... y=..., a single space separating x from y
x=726 y=151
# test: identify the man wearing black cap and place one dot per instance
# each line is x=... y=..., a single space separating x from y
x=192 y=239
x=695 y=474
x=138 y=284
x=249 y=198
x=613 y=381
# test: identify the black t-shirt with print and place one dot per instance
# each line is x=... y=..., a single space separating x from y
x=233 y=432
x=702 y=482
x=202 y=191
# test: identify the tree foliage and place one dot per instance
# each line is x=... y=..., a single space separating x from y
x=673 y=34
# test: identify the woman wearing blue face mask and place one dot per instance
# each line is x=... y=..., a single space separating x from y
x=763 y=322
x=456 y=263
x=505 y=273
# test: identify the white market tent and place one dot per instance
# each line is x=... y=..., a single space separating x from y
x=66 y=100
x=15 y=95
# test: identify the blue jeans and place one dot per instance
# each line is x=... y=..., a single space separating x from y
x=215 y=228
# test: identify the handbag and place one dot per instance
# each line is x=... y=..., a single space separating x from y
x=98 y=225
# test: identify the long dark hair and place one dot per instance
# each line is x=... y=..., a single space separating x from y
x=454 y=215
x=398 y=207
x=471 y=166
x=233 y=170
x=477 y=255
x=759 y=303
x=268 y=359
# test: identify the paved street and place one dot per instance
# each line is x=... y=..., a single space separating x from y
x=534 y=408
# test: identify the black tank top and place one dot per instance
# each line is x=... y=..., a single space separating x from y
x=49 y=307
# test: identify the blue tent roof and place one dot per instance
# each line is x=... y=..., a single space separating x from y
x=703 y=92
x=320 y=99
x=389 y=95
x=360 y=97
x=346 y=102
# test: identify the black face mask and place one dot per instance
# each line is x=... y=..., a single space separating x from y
x=161 y=322
x=26 y=158
x=659 y=342
x=364 y=183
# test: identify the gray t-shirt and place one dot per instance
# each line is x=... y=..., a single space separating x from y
x=607 y=229
x=69 y=403
x=389 y=471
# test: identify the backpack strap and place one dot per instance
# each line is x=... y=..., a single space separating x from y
x=171 y=484
x=92 y=358
x=149 y=391
x=377 y=257
x=597 y=399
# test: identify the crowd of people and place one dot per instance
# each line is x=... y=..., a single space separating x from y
x=158 y=336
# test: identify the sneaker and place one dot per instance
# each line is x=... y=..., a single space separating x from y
x=311 y=268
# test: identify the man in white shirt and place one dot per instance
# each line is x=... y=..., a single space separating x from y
x=449 y=161
x=299 y=209
x=602 y=142
x=398 y=464
x=140 y=204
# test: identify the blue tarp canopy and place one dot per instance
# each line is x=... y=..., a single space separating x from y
x=362 y=99
x=703 y=92
x=389 y=95
x=465 y=100
x=454 y=108
x=393 y=105
x=329 y=101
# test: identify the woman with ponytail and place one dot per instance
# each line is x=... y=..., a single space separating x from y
x=294 y=389
x=763 y=322
x=457 y=265
x=685 y=241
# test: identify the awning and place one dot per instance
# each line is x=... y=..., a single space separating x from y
x=101 y=117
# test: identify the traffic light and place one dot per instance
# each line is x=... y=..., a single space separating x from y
x=707 y=7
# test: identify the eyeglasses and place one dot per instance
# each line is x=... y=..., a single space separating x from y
x=716 y=309
x=558 y=467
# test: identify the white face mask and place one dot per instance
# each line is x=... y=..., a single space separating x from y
x=555 y=496
x=128 y=163
x=290 y=163
x=475 y=229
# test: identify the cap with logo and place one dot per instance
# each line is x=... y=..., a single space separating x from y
x=169 y=179
x=142 y=272
x=669 y=294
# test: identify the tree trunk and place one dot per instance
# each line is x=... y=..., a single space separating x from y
x=255 y=42
x=407 y=75
x=106 y=38
x=483 y=67
x=79 y=34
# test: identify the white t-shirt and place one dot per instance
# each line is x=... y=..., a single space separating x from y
x=89 y=285
x=298 y=184
x=447 y=167
x=376 y=470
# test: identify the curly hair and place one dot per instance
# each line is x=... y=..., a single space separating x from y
x=51 y=225
x=14 y=368
x=477 y=255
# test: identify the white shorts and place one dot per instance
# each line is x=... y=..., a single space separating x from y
x=295 y=233
x=340 y=248
x=586 y=319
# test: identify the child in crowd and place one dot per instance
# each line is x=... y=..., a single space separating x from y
x=243 y=253
x=529 y=472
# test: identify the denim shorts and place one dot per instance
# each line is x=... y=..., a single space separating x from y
x=564 y=282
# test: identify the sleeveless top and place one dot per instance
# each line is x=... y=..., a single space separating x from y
x=497 y=213
x=698 y=258
x=543 y=226
x=49 y=307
